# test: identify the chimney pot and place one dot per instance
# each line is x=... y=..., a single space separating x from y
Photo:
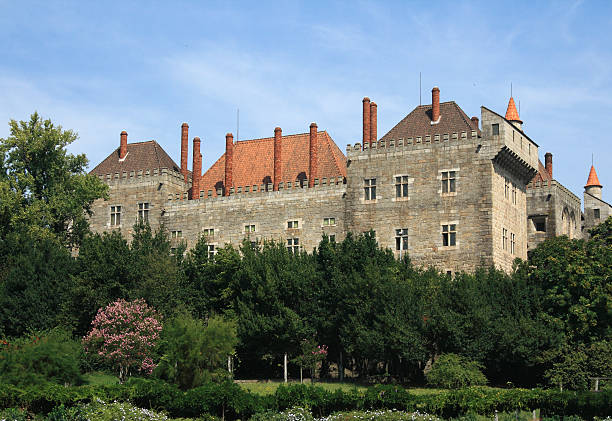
x=278 y=133
x=197 y=169
x=366 y=121
x=229 y=162
x=184 y=150
x=373 y=122
x=123 y=145
x=548 y=163
x=475 y=121
x=313 y=156
x=435 y=104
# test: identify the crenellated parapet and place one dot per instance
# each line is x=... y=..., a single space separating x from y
x=418 y=142
x=300 y=186
x=165 y=175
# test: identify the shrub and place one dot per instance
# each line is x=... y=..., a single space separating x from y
x=453 y=371
x=125 y=334
x=194 y=352
x=51 y=356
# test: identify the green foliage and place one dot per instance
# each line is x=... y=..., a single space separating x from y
x=194 y=352
x=573 y=367
x=44 y=190
x=453 y=371
x=51 y=356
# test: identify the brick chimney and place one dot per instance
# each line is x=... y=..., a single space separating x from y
x=196 y=173
x=475 y=121
x=184 y=149
x=278 y=133
x=366 y=121
x=435 y=105
x=373 y=122
x=229 y=162
x=123 y=145
x=314 y=143
x=548 y=163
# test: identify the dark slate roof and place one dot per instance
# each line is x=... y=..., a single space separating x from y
x=140 y=156
x=254 y=161
x=418 y=122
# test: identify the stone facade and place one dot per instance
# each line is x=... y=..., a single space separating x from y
x=454 y=197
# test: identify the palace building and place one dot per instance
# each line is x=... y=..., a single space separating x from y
x=451 y=191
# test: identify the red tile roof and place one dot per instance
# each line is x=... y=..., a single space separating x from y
x=418 y=122
x=254 y=161
x=511 y=113
x=542 y=174
x=593 y=180
x=140 y=156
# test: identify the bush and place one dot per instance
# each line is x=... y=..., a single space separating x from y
x=453 y=371
x=193 y=352
x=51 y=356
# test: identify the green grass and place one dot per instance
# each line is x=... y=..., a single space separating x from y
x=97 y=378
x=268 y=388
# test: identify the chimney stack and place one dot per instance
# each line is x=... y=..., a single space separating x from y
x=366 y=121
x=435 y=105
x=278 y=133
x=373 y=122
x=196 y=172
x=475 y=121
x=548 y=163
x=314 y=143
x=229 y=162
x=123 y=145
x=184 y=149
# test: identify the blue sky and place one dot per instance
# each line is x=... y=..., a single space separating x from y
x=102 y=67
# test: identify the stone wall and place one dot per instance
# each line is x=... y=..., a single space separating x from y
x=591 y=203
x=426 y=208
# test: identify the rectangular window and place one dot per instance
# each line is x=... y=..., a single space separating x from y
x=369 y=186
x=176 y=234
x=332 y=238
x=512 y=242
x=449 y=235
x=401 y=239
x=115 y=216
x=292 y=224
x=143 y=212
x=293 y=245
x=506 y=187
x=401 y=186
x=208 y=232
x=448 y=181
x=249 y=228
x=210 y=248
x=329 y=221
x=596 y=214
x=504 y=238
x=513 y=194
x=495 y=128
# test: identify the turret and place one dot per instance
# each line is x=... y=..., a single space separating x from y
x=593 y=187
x=512 y=115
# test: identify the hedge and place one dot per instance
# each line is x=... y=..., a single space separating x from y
x=233 y=402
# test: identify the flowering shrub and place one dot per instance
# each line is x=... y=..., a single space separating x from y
x=312 y=354
x=303 y=414
x=125 y=333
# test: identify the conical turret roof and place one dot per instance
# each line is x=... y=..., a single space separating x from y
x=511 y=113
x=593 y=180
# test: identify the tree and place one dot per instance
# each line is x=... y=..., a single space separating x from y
x=43 y=189
x=453 y=371
x=194 y=352
x=125 y=334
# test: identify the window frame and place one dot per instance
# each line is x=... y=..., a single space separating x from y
x=143 y=211
x=369 y=187
x=293 y=245
x=115 y=215
x=448 y=182
x=401 y=186
x=449 y=234
x=401 y=239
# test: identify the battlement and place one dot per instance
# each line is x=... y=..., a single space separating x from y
x=545 y=185
x=148 y=175
x=416 y=142
x=264 y=189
